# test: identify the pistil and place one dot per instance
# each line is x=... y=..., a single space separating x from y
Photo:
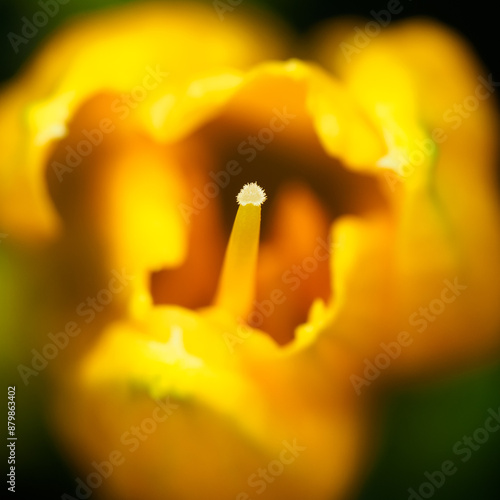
x=236 y=290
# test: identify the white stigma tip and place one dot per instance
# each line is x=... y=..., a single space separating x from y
x=251 y=193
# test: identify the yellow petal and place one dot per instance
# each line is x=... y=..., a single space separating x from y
x=445 y=207
x=174 y=376
x=132 y=52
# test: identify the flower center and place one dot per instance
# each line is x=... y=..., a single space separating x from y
x=307 y=190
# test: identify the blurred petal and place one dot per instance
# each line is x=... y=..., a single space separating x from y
x=228 y=415
x=439 y=171
x=88 y=57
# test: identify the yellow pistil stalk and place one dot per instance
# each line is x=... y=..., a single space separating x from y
x=237 y=283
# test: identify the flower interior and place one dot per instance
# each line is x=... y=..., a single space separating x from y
x=306 y=191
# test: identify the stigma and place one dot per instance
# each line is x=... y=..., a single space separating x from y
x=237 y=284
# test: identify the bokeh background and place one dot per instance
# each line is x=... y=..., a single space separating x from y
x=421 y=423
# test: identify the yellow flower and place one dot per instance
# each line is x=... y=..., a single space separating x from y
x=128 y=139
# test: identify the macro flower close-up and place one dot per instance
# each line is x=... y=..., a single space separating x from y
x=243 y=262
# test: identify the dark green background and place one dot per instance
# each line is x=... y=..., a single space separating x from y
x=422 y=424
